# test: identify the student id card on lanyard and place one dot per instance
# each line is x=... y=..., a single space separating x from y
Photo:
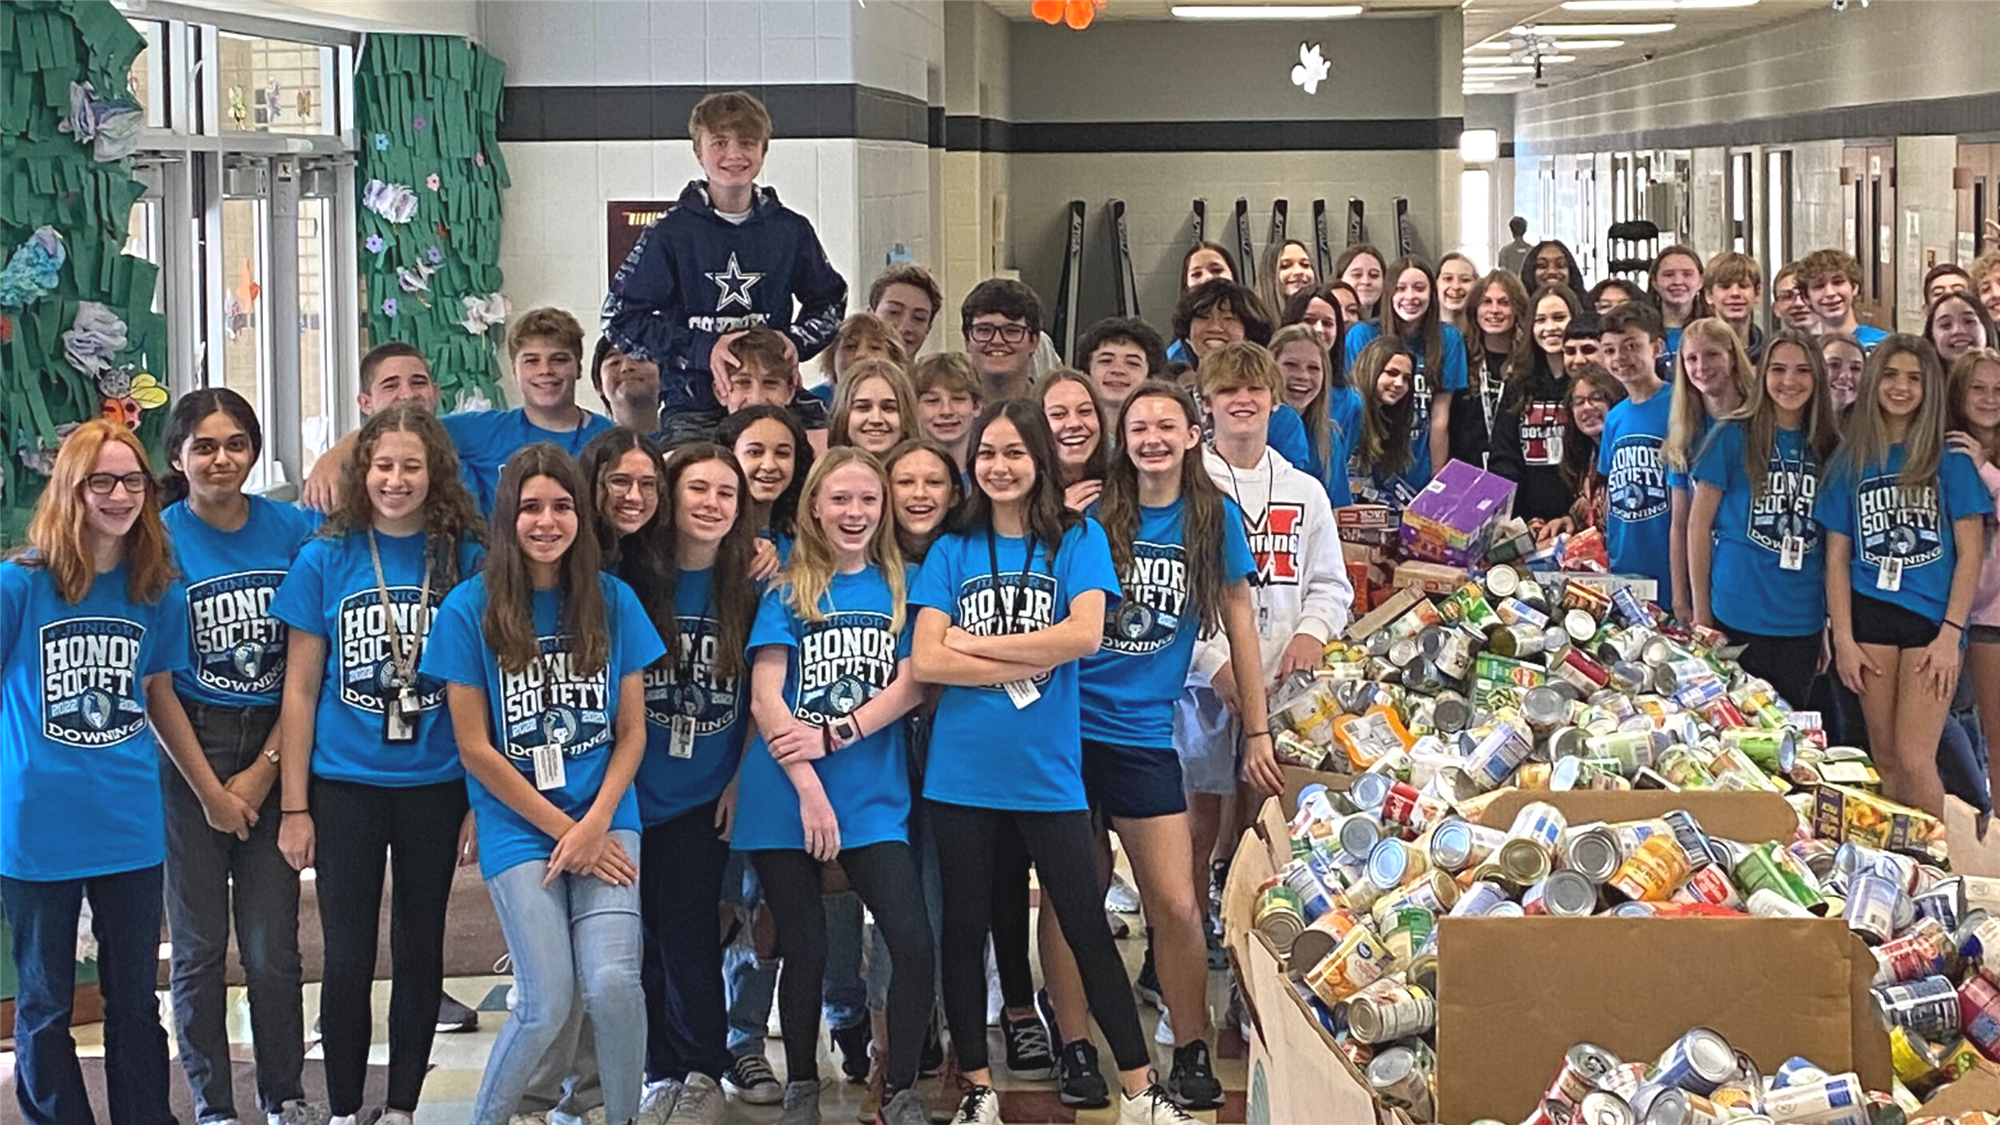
x=1250 y=528
x=550 y=772
x=1792 y=546
x=400 y=707
x=690 y=700
x=1890 y=577
x=1020 y=692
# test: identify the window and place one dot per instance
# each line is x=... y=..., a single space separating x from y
x=1777 y=214
x=148 y=76
x=1742 y=179
x=1475 y=214
x=318 y=394
x=274 y=86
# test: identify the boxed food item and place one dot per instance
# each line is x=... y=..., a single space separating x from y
x=1432 y=578
x=1452 y=519
x=1850 y=815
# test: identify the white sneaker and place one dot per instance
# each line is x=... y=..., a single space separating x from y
x=299 y=1112
x=394 y=1117
x=1121 y=898
x=528 y=1119
x=980 y=1107
x=702 y=1102
x=657 y=1103
x=1152 y=1107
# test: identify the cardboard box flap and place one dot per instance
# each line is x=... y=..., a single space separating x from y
x=1297 y=1073
x=1239 y=910
x=1298 y=777
x=1976 y=1090
x=1274 y=828
x=1514 y=994
x=1972 y=841
x=1871 y=1039
x=1746 y=817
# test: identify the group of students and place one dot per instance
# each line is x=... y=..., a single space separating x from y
x=694 y=682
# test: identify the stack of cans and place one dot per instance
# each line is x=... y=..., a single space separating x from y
x=1700 y=1079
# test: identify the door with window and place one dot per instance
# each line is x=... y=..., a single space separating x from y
x=1868 y=188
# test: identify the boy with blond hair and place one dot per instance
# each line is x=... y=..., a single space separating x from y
x=727 y=258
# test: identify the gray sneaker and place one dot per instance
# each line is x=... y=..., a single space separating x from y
x=801 y=1104
x=906 y=1108
x=702 y=1102
x=299 y=1112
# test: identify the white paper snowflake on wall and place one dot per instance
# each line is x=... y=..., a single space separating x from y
x=1312 y=69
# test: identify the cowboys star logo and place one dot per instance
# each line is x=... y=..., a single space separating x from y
x=1275 y=542
x=734 y=285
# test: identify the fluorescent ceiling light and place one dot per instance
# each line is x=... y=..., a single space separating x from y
x=1592 y=29
x=1477 y=72
x=1560 y=45
x=1649 y=5
x=1266 y=11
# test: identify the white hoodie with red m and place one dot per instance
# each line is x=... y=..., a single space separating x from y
x=1301 y=583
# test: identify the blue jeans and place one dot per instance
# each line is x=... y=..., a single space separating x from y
x=577 y=935
x=750 y=983
x=209 y=876
x=125 y=916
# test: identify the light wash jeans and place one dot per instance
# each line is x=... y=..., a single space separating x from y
x=577 y=938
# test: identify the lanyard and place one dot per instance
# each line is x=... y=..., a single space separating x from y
x=1270 y=490
x=1793 y=485
x=683 y=674
x=1021 y=593
x=404 y=659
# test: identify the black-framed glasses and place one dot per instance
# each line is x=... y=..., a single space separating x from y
x=101 y=484
x=1006 y=333
x=1594 y=399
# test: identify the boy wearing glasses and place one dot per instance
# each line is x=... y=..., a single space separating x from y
x=729 y=257
x=1002 y=321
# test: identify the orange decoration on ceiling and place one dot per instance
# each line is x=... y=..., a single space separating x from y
x=1076 y=13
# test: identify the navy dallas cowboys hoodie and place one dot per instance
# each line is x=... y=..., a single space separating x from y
x=694 y=276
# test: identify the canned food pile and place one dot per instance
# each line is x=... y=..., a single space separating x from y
x=1700 y=1078
x=1507 y=685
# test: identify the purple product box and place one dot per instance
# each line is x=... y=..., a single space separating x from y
x=1452 y=520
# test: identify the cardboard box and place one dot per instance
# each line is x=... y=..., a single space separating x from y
x=1976 y=1091
x=1452 y=519
x=1386 y=610
x=1296 y=779
x=1432 y=578
x=1365 y=517
x=1844 y=814
x=1746 y=817
x=1515 y=993
x=1971 y=842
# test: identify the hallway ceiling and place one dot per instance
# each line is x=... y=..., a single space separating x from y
x=1489 y=25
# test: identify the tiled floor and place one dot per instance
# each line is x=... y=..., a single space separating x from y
x=458 y=1060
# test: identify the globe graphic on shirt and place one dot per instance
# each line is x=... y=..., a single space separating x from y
x=248 y=659
x=95 y=707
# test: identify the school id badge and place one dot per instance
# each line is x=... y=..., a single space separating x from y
x=1890 y=578
x=1792 y=552
x=399 y=715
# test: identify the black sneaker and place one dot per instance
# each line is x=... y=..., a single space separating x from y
x=1046 y=1009
x=1147 y=984
x=454 y=1016
x=853 y=1043
x=1079 y=1082
x=1193 y=1084
x=1218 y=957
x=1028 y=1054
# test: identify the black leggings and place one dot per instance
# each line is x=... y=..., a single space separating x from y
x=1063 y=847
x=1789 y=663
x=1010 y=923
x=885 y=876
x=416 y=830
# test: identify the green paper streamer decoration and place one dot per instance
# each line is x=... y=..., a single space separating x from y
x=454 y=88
x=48 y=179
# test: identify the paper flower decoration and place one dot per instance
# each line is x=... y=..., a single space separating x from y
x=31 y=272
x=1312 y=69
x=94 y=338
x=420 y=122
x=479 y=159
x=127 y=395
x=381 y=142
x=388 y=306
x=431 y=181
x=41 y=457
x=1076 y=13
x=482 y=313
x=433 y=255
x=414 y=280
x=375 y=243
x=109 y=125
x=394 y=202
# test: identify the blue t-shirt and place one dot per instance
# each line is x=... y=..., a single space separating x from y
x=1747 y=589
x=549 y=702
x=331 y=594
x=670 y=785
x=1287 y=436
x=1128 y=687
x=1867 y=335
x=1677 y=480
x=1670 y=351
x=238 y=658
x=1343 y=406
x=835 y=665
x=1888 y=520
x=486 y=438
x=79 y=768
x=985 y=752
x=1426 y=381
x=1638 y=521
